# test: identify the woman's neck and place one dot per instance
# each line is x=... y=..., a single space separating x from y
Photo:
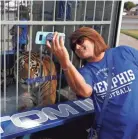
x=97 y=58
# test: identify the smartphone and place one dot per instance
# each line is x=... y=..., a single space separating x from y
x=41 y=37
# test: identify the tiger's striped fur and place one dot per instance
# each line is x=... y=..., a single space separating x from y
x=40 y=93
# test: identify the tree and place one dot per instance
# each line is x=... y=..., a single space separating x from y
x=128 y=5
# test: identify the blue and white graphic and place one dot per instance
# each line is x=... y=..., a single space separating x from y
x=39 y=119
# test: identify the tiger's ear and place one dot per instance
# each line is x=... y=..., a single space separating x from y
x=36 y=54
x=23 y=53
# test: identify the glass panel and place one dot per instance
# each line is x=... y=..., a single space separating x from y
x=99 y=10
x=90 y=10
x=105 y=31
x=46 y=11
x=107 y=10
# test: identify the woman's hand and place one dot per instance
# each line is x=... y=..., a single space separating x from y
x=58 y=49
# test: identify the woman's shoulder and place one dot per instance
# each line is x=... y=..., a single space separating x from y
x=127 y=52
x=124 y=48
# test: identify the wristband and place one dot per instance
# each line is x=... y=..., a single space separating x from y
x=66 y=69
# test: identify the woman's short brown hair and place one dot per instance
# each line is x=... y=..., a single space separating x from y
x=92 y=35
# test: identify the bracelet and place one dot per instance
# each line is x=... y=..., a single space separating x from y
x=66 y=69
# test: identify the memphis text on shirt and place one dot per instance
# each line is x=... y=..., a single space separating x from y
x=120 y=84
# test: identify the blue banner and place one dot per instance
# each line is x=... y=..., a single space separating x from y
x=38 y=119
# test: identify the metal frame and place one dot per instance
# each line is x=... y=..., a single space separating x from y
x=55 y=22
x=119 y=23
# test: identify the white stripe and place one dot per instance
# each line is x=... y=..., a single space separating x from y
x=121 y=86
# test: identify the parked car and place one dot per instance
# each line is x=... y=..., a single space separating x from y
x=124 y=13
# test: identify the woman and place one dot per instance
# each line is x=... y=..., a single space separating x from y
x=121 y=115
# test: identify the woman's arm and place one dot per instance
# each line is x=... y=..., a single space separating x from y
x=74 y=78
x=77 y=82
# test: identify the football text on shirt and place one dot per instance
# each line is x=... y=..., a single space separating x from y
x=120 y=84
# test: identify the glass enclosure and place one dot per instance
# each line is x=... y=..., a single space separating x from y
x=26 y=81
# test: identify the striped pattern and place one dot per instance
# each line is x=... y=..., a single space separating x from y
x=40 y=93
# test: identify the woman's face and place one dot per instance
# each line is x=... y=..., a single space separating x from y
x=85 y=49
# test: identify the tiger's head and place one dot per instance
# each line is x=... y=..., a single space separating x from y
x=28 y=70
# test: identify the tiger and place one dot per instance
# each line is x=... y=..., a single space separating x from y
x=40 y=93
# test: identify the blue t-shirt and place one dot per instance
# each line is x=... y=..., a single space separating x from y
x=121 y=114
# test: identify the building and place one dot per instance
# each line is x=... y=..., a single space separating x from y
x=133 y=11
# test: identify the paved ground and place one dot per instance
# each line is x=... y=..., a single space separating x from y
x=127 y=40
x=129 y=22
